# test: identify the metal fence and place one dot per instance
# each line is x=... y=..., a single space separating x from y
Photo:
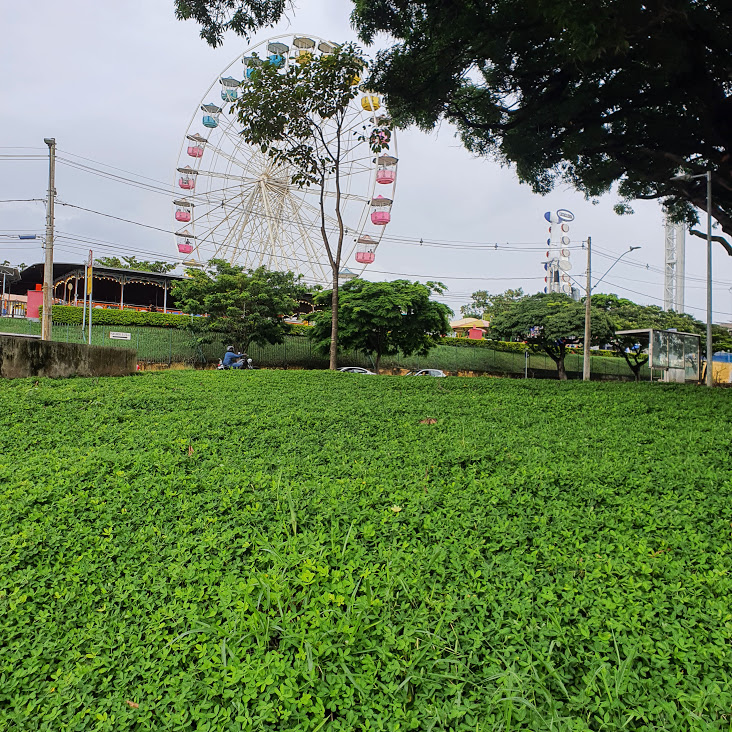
x=172 y=345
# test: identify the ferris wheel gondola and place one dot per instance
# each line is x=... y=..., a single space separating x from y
x=244 y=207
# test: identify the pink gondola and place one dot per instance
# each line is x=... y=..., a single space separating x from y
x=187 y=183
x=185 y=244
x=196 y=143
x=183 y=210
x=366 y=253
x=365 y=257
x=380 y=216
x=386 y=172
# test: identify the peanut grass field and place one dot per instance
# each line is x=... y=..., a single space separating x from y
x=313 y=551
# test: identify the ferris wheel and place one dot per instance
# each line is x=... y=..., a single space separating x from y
x=237 y=204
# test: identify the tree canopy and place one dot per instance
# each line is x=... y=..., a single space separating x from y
x=135 y=264
x=382 y=318
x=549 y=323
x=624 y=314
x=244 y=305
x=218 y=16
x=589 y=93
x=484 y=305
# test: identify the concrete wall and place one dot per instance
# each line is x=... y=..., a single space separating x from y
x=22 y=356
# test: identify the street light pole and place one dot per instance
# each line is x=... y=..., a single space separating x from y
x=48 y=260
x=588 y=302
x=710 y=349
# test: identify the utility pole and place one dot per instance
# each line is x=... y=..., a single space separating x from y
x=48 y=262
x=588 y=298
x=710 y=348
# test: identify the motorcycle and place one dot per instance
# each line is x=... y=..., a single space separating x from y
x=247 y=364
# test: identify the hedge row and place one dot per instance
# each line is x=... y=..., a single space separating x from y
x=72 y=315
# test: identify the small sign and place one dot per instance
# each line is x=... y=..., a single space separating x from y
x=117 y=336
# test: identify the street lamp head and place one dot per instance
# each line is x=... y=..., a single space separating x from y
x=688 y=176
x=50 y=141
x=632 y=249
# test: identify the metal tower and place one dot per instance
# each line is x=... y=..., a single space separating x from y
x=558 y=265
x=673 y=277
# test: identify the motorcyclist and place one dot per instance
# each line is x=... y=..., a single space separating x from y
x=234 y=360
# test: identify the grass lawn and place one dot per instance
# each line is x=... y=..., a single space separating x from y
x=314 y=551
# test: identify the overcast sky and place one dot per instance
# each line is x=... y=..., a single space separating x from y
x=117 y=83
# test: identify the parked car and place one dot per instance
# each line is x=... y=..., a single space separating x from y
x=356 y=370
x=427 y=372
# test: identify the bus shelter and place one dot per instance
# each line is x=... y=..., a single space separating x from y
x=677 y=355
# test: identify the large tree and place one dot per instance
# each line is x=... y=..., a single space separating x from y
x=549 y=323
x=241 y=305
x=624 y=314
x=383 y=318
x=298 y=118
x=580 y=91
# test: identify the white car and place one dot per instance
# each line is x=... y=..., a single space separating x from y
x=356 y=370
x=428 y=372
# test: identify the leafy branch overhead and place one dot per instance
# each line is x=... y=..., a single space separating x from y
x=596 y=95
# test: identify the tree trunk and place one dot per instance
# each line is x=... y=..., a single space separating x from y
x=560 y=362
x=334 y=324
x=635 y=366
x=377 y=362
x=557 y=358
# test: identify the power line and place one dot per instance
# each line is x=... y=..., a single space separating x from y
x=412 y=240
x=660 y=299
x=106 y=165
x=118 y=218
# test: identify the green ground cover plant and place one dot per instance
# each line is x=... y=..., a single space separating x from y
x=321 y=551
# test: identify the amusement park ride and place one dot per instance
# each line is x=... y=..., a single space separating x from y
x=558 y=264
x=237 y=204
